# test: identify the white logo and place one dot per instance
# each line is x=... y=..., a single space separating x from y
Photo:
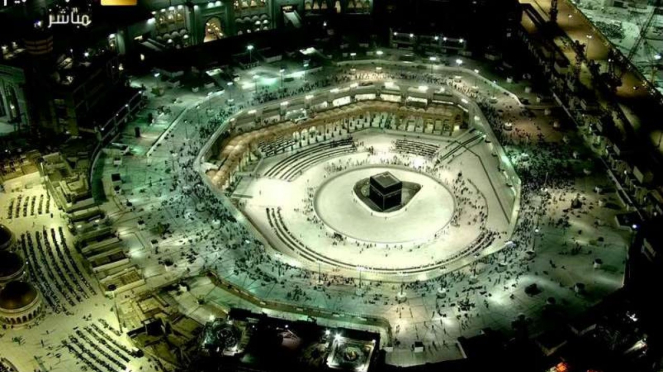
x=72 y=18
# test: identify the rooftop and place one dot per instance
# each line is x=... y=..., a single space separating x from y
x=17 y=295
x=5 y=236
x=10 y=264
x=386 y=180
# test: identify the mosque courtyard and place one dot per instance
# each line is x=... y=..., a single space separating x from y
x=508 y=229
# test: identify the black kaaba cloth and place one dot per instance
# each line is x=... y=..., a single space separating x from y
x=385 y=190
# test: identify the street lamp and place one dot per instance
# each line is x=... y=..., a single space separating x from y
x=281 y=71
x=459 y=62
x=156 y=76
x=250 y=49
x=432 y=60
x=379 y=53
x=255 y=78
x=360 y=269
x=230 y=92
x=589 y=38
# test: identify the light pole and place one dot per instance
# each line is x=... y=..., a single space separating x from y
x=117 y=312
x=281 y=71
x=255 y=89
x=156 y=77
x=305 y=67
x=589 y=39
x=432 y=63
x=360 y=270
x=209 y=102
x=250 y=49
x=230 y=92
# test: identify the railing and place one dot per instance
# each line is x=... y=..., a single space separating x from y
x=368 y=320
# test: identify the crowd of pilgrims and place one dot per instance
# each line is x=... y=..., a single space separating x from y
x=469 y=202
x=458 y=293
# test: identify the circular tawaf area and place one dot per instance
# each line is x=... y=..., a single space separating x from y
x=428 y=212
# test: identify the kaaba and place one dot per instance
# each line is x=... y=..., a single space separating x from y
x=385 y=191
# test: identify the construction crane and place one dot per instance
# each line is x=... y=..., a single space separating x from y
x=553 y=11
x=641 y=37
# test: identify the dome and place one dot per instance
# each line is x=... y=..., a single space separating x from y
x=5 y=237
x=10 y=264
x=17 y=295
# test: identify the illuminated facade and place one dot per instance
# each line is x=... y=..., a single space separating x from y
x=180 y=24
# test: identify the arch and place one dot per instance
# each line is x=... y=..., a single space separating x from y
x=3 y=110
x=213 y=30
x=12 y=101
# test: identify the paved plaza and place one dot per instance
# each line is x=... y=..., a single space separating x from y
x=321 y=211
